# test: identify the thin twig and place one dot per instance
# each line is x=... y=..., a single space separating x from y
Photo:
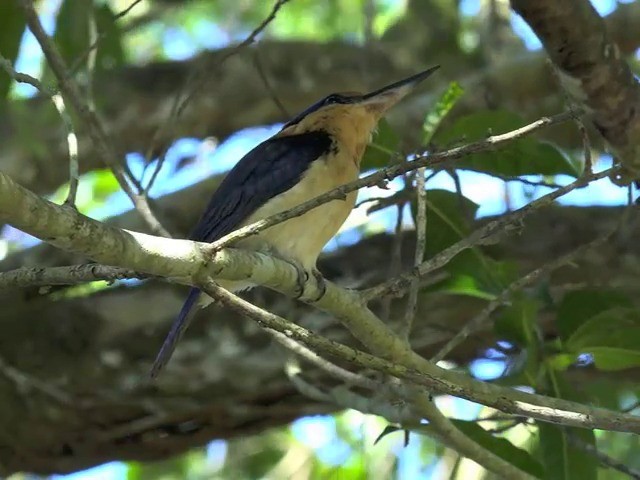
x=389 y=173
x=395 y=263
x=72 y=146
x=461 y=443
x=369 y=15
x=525 y=181
x=180 y=259
x=58 y=103
x=586 y=145
x=505 y=428
x=483 y=235
x=96 y=42
x=294 y=374
x=350 y=378
x=603 y=458
x=421 y=372
x=421 y=242
x=341 y=396
x=69 y=275
x=91 y=62
x=124 y=12
x=25 y=381
x=205 y=73
x=380 y=203
x=267 y=84
x=480 y=320
x=195 y=82
x=73 y=94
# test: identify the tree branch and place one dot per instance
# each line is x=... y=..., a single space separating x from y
x=481 y=318
x=604 y=459
x=186 y=260
x=132 y=93
x=592 y=70
x=72 y=275
x=485 y=234
x=97 y=131
x=457 y=440
x=407 y=365
x=389 y=173
x=58 y=102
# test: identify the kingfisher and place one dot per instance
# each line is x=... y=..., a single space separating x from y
x=318 y=150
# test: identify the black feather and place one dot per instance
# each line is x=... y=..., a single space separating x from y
x=271 y=168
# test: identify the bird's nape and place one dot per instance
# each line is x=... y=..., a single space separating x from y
x=380 y=100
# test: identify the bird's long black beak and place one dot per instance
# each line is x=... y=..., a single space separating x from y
x=385 y=97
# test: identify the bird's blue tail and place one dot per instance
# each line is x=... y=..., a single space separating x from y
x=179 y=326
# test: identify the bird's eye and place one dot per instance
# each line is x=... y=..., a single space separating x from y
x=333 y=98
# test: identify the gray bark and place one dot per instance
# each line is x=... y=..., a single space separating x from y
x=74 y=369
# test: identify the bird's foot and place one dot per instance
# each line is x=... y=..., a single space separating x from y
x=301 y=278
x=321 y=284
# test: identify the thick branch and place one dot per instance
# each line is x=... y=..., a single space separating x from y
x=592 y=70
x=115 y=333
x=38 y=277
x=407 y=365
x=68 y=229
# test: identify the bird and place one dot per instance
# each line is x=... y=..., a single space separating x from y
x=314 y=152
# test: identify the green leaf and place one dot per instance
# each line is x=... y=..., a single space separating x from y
x=12 y=24
x=442 y=107
x=501 y=447
x=603 y=392
x=617 y=326
x=611 y=358
x=73 y=36
x=525 y=156
x=105 y=185
x=448 y=217
x=472 y=272
x=612 y=337
x=579 y=306
x=110 y=49
x=517 y=322
x=72 y=29
x=562 y=361
x=464 y=284
x=185 y=465
x=383 y=146
x=563 y=461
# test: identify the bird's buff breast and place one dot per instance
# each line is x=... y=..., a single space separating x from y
x=302 y=238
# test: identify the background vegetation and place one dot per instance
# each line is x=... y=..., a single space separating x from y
x=545 y=300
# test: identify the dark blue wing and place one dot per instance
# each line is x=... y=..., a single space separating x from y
x=270 y=169
x=273 y=167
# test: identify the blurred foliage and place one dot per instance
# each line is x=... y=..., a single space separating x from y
x=596 y=329
x=525 y=156
x=12 y=24
x=557 y=449
x=501 y=447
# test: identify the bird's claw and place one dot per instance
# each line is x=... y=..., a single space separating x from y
x=301 y=279
x=321 y=284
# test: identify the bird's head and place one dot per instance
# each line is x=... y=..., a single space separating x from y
x=353 y=116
